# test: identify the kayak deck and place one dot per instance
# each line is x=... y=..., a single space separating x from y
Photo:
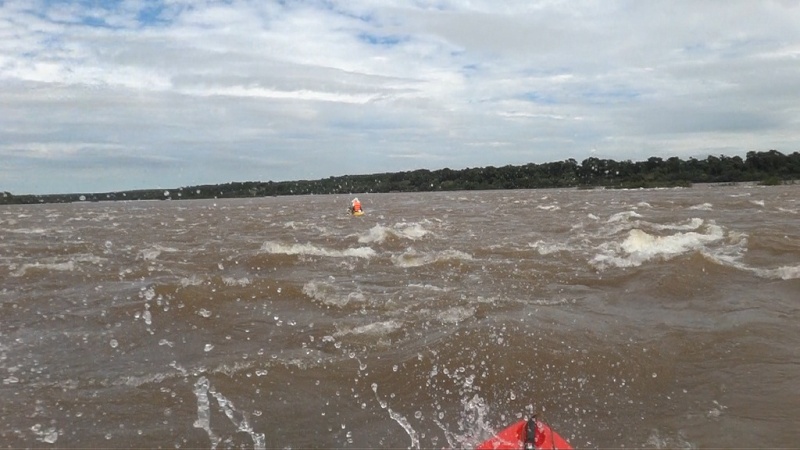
x=518 y=436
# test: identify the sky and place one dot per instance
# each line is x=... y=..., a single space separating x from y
x=110 y=95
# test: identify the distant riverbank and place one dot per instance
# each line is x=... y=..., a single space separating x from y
x=768 y=168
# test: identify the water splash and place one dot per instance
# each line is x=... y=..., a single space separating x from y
x=399 y=418
x=201 y=389
x=204 y=411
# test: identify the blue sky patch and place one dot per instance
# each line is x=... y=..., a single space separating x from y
x=381 y=40
x=539 y=97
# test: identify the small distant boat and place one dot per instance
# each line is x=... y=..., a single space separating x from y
x=357 y=213
x=531 y=434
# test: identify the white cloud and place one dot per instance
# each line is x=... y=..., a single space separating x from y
x=262 y=90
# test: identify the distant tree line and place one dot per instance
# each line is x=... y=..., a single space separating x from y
x=770 y=167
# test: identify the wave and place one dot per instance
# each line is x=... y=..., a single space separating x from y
x=545 y=248
x=26 y=230
x=379 y=233
x=691 y=224
x=456 y=314
x=153 y=252
x=383 y=328
x=787 y=272
x=66 y=266
x=412 y=258
x=328 y=295
x=314 y=250
x=55 y=265
x=639 y=246
x=784 y=273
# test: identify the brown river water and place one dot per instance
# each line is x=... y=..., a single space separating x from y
x=626 y=319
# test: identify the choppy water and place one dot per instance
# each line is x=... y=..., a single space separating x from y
x=648 y=318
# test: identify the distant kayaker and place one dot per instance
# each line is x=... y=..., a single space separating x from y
x=355 y=206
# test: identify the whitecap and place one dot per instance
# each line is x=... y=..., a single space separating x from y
x=153 y=252
x=377 y=234
x=623 y=216
x=313 y=250
x=640 y=247
x=194 y=280
x=372 y=329
x=231 y=281
x=545 y=248
x=67 y=266
x=328 y=295
x=411 y=230
x=26 y=230
x=429 y=287
x=411 y=258
x=456 y=314
x=691 y=224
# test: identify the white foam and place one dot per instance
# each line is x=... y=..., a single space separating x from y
x=411 y=230
x=153 y=252
x=545 y=248
x=313 y=250
x=25 y=230
x=328 y=295
x=372 y=329
x=231 y=281
x=194 y=280
x=428 y=287
x=411 y=258
x=779 y=273
x=47 y=435
x=691 y=224
x=702 y=207
x=66 y=266
x=624 y=216
x=640 y=247
x=785 y=272
x=379 y=233
x=456 y=314
x=656 y=440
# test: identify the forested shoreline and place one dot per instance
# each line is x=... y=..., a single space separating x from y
x=769 y=167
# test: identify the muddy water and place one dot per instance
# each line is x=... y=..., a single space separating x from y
x=648 y=318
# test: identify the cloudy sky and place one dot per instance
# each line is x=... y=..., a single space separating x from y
x=105 y=95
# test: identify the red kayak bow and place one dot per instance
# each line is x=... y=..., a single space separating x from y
x=531 y=434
